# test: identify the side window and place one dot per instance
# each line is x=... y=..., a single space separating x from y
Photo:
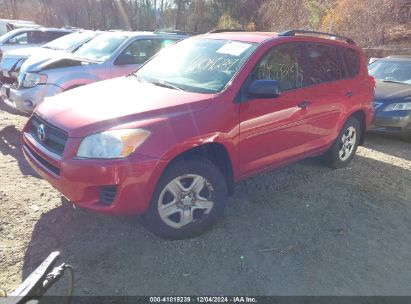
x=283 y=63
x=139 y=52
x=36 y=37
x=43 y=37
x=352 y=61
x=18 y=39
x=54 y=35
x=166 y=42
x=323 y=63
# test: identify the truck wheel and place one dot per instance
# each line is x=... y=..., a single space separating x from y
x=343 y=150
x=190 y=196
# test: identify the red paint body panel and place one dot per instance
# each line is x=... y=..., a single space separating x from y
x=81 y=180
x=257 y=134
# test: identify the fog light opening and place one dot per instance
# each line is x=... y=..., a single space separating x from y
x=28 y=103
x=108 y=194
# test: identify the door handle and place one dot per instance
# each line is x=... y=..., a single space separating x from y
x=349 y=94
x=304 y=104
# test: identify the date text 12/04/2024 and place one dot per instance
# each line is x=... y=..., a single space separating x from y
x=204 y=299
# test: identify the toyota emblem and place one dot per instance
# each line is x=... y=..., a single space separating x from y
x=41 y=132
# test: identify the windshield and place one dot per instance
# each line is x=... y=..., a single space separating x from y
x=101 y=47
x=197 y=65
x=70 y=41
x=393 y=71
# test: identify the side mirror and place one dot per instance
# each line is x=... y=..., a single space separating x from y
x=125 y=59
x=264 y=89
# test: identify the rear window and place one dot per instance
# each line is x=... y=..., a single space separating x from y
x=352 y=61
x=323 y=63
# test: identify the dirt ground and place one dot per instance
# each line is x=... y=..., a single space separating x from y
x=300 y=230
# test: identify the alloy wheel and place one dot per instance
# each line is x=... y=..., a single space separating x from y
x=347 y=144
x=185 y=200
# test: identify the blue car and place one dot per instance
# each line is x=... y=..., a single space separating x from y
x=393 y=94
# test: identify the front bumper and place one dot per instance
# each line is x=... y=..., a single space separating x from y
x=82 y=181
x=26 y=99
x=392 y=121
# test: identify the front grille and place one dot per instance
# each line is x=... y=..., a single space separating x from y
x=54 y=140
x=107 y=194
x=12 y=81
x=42 y=161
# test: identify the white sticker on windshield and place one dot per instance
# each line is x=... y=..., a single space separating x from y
x=233 y=48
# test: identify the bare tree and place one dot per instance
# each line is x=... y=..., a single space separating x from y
x=15 y=12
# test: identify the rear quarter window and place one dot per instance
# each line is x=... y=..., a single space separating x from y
x=352 y=61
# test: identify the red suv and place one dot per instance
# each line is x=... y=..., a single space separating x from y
x=170 y=140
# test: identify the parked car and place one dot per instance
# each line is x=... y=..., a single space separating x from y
x=393 y=94
x=7 y=25
x=109 y=55
x=29 y=37
x=170 y=140
x=13 y=60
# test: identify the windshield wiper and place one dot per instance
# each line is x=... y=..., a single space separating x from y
x=393 y=81
x=137 y=77
x=167 y=85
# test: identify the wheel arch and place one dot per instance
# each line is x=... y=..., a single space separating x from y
x=215 y=152
x=361 y=117
x=74 y=86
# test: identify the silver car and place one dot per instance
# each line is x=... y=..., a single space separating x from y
x=29 y=37
x=109 y=55
x=13 y=60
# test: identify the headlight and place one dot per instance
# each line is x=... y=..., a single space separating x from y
x=30 y=80
x=112 y=144
x=401 y=106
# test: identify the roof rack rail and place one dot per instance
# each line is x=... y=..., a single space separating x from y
x=216 y=31
x=177 y=32
x=294 y=32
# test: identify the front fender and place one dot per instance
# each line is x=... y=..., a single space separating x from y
x=80 y=80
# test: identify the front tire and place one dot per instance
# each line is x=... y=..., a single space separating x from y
x=345 y=146
x=190 y=196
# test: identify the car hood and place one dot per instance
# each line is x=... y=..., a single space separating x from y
x=23 y=53
x=388 y=91
x=10 y=58
x=51 y=60
x=106 y=104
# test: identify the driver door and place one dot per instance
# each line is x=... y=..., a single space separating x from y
x=272 y=129
x=19 y=40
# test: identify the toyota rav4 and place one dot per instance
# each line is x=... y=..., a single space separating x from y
x=170 y=140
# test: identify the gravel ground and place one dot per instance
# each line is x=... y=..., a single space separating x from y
x=300 y=230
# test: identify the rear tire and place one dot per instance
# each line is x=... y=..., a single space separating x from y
x=190 y=196
x=340 y=154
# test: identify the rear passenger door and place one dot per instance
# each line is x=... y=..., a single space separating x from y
x=135 y=54
x=324 y=72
